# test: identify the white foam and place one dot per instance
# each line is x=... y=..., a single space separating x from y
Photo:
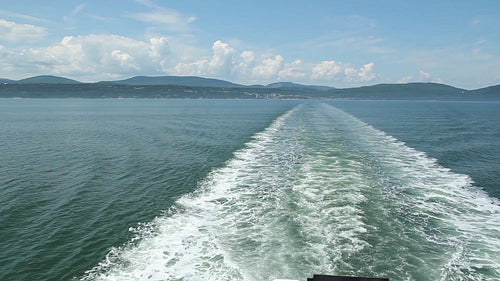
x=191 y=244
x=294 y=202
x=468 y=215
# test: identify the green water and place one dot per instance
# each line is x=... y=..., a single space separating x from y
x=244 y=190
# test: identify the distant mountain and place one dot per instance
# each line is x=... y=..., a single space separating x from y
x=409 y=91
x=488 y=91
x=198 y=87
x=3 y=80
x=46 y=79
x=295 y=85
x=191 y=81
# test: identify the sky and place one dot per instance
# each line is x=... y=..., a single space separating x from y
x=317 y=42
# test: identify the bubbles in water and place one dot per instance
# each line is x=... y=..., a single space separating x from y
x=319 y=191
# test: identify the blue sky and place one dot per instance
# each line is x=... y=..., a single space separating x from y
x=322 y=42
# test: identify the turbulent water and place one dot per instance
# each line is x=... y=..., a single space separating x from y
x=233 y=190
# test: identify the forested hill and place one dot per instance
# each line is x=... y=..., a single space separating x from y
x=45 y=79
x=197 y=87
x=193 y=81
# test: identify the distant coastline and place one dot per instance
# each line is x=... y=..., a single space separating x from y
x=192 y=87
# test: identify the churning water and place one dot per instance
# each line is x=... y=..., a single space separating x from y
x=235 y=190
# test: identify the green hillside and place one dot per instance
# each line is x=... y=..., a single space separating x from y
x=192 y=81
x=198 y=87
x=46 y=79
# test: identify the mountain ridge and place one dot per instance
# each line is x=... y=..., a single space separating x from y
x=194 y=81
x=46 y=79
x=296 y=85
x=157 y=84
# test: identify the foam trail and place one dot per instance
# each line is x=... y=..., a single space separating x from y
x=191 y=243
x=442 y=227
x=319 y=191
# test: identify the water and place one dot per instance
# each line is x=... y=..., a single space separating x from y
x=246 y=190
x=463 y=136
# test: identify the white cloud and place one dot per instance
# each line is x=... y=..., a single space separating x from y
x=125 y=60
x=268 y=68
x=424 y=76
x=100 y=57
x=159 y=47
x=17 y=32
x=194 y=68
x=427 y=77
x=293 y=71
x=160 y=52
x=164 y=18
x=327 y=70
x=339 y=71
x=243 y=67
x=248 y=57
x=406 y=79
x=366 y=72
x=222 y=59
x=421 y=77
x=220 y=65
x=97 y=55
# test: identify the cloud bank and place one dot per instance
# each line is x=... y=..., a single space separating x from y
x=248 y=66
x=97 y=57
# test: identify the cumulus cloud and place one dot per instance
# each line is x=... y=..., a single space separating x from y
x=268 y=68
x=107 y=55
x=159 y=47
x=248 y=57
x=249 y=67
x=220 y=64
x=424 y=76
x=192 y=68
x=421 y=77
x=243 y=66
x=125 y=60
x=366 y=72
x=99 y=57
x=18 y=32
x=332 y=70
x=294 y=70
x=406 y=79
x=222 y=58
x=327 y=70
